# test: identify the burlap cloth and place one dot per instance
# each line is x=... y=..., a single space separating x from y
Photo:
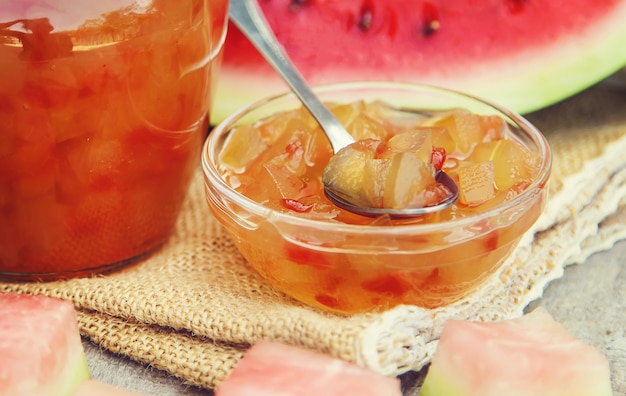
x=194 y=306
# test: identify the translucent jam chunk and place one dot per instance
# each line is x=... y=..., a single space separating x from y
x=513 y=163
x=476 y=182
x=346 y=171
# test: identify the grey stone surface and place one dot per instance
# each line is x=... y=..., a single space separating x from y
x=590 y=302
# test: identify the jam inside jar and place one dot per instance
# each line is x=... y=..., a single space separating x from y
x=103 y=110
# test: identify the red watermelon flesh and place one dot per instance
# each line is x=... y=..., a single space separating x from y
x=527 y=356
x=40 y=347
x=523 y=54
x=271 y=368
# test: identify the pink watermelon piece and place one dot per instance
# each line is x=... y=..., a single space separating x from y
x=271 y=368
x=522 y=54
x=528 y=356
x=41 y=352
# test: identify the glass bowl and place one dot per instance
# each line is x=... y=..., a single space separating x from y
x=372 y=265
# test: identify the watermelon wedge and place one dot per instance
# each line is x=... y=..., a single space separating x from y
x=523 y=54
x=529 y=356
x=271 y=368
x=40 y=347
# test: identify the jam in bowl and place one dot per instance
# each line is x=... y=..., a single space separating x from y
x=263 y=168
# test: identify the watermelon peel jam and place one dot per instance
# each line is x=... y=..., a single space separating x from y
x=103 y=111
x=263 y=167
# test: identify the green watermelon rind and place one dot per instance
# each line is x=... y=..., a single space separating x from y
x=436 y=385
x=524 y=83
x=76 y=375
x=77 y=369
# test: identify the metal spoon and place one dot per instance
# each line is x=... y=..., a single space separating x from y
x=247 y=16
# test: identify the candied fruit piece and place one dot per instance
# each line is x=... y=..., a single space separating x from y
x=513 y=162
x=476 y=182
x=317 y=149
x=366 y=127
x=304 y=115
x=277 y=149
x=441 y=137
x=345 y=172
x=397 y=120
x=346 y=113
x=321 y=209
x=418 y=141
x=375 y=173
x=272 y=127
x=465 y=128
x=243 y=145
x=288 y=184
x=494 y=127
x=277 y=173
x=407 y=179
x=292 y=158
x=101 y=159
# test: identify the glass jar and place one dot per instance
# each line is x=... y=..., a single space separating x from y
x=103 y=109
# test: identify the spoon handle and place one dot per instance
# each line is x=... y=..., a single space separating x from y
x=247 y=16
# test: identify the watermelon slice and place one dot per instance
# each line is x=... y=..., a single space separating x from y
x=40 y=347
x=528 y=356
x=271 y=368
x=522 y=54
